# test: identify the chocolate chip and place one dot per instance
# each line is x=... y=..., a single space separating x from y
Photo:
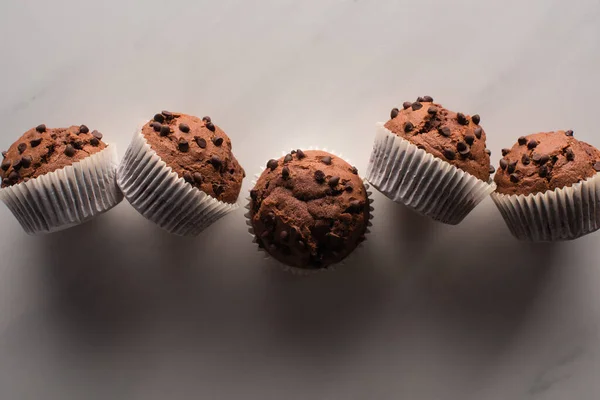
x=167 y=114
x=597 y=166
x=319 y=176
x=41 y=128
x=4 y=153
x=492 y=169
x=406 y=104
x=217 y=141
x=488 y=152
x=543 y=171
x=349 y=188
x=408 y=126
x=476 y=119
x=206 y=119
x=544 y=159
x=188 y=177
x=83 y=129
x=394 y=113
x=69 y=151
x=416 y=106
x=432 y=110
x=470 y=139
x=569 y=133
x=284 y=236
x=449 y=154
x=272 y=164
x=155 y=126
x=97 y=135
x=478 y=132
x=26 y=161
x=525 y=159
x=333 y=181
x=183 y=145
x=5 y=164
x=287 y=158
x=216 y=162
x=21 y=147
x=445 y=131
x=505 y=152
x=570 y=155
x=210 y=126
x=185 y=128
x=355 y=206
x=460 y=117
x=511 y=167
x=13 y=176
x=94 y=142
x=326 y=160
x=165 y=130
x=285 y=172
x=354 y=170
x=427 y=99
x=514 y=178
x=35 y=142
x=159 y=118
x=253 y=194
x=461 y=146
x=419 y=99
x=532 y=144
x=522 y=141
x=503 y=164
x=217 y=189
x=300 y=154
x=201 y=142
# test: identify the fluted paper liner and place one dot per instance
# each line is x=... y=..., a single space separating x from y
x=430 y=186
x=555 y=215
x=66 y=197
x=160 y=195
x=298 y=270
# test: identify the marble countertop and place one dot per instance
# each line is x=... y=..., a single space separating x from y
x=118 y=309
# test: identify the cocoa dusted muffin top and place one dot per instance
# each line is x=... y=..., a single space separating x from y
x=42 y=150
x=309 y=209
x=545 y=161
x=453 y=137
x=198 y=151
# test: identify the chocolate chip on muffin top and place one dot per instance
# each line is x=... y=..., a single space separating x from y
x=42 y=150
x=198 y=151
x=545 y=161
x=309 y=209
x=453 y=137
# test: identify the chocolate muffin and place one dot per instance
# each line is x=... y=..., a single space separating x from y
x=41 y=150
x=197 y=151
x=545 y=161
x=309 y=209
x=456 y=138
x=54 y=178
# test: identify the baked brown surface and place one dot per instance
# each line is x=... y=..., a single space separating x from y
x=545 y=161
x=453 y=137
x=198 y=151
x=309 y=209
x=42 y=150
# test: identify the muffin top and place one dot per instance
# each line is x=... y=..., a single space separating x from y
x=453 y=137
x=545 y=161
x=198 y=151
x=309 y=209
x=41 y=150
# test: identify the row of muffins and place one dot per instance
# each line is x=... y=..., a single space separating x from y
x=309 y=209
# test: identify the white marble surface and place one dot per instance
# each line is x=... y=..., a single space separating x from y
x=117 y=309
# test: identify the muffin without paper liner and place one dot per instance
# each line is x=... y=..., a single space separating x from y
x=53 y=179
x=309 y=210
x=179 y=172
x=549 y=187
x=432 y=160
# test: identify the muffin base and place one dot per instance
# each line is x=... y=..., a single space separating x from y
x=66 y=197
x=430 y=186
x=298 y=270
x=556 y=215
x=160 y=195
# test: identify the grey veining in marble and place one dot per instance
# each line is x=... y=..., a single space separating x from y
x=118 y=309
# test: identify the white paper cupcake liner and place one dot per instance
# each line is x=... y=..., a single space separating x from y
x=160 y=195
x=66 y=197
x=430 y=186
x=298 y=270
x=555 y=215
